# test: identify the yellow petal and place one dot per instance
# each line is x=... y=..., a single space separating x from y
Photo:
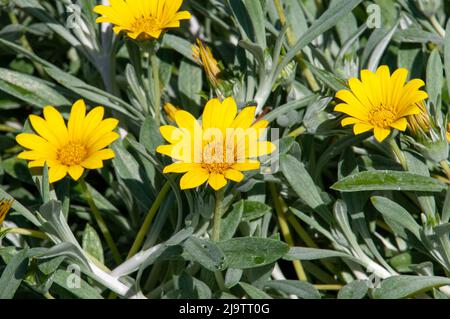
x=412 y=110
x=186 y=120
x=360 y=91
x=76 y=121
x=42 y=128
x=217 y=181
x=193 y=179
x=35 y=142
x=384 y=79
x=352 y=107
x=234 y=175
x=56 y=124
x=178 y=152
x=31 y=155
x=171 y=133
x=36 y=163
x=360 y=128
x=245 y=118
x=398 y=81
x=103 y=142
x=182 y=15
x=181 y=167
x=349 y=121
x=92 y=121
x=95 y=160
x=219 y=115
x=381 y=133
x=76 y=171
x=400 y=124
x=105 y=127
x=352 y=110
x=208 y=116
x=249 y=165
x=57 y=173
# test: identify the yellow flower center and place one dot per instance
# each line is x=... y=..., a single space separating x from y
x=72 y=154
x=382 y=117
x=217 y=158
x=145 y=24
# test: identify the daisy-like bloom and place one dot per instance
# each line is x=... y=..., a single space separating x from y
x=219 y=148
x=142 y=19
x=5 y=206
x=380 y=101
x=71 y=149
x=170 y=110
x=203 y=55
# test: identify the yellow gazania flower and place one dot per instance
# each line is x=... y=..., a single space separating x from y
x=5 y=206
x=380 y=101
x=69 y=149
x=142 y=19
x=218 y=149
x=170 y=110
x=203 y=55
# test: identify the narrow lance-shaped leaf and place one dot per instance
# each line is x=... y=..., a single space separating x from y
x=388 y=180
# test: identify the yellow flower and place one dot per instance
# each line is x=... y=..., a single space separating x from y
x=170 y=110
x=380 y=102
x=203 y=55
x=5 y=206
x=142 y=19
x=69 y=149
x=218 y=149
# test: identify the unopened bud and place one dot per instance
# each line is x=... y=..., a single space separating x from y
x=428 y=7
x=170 y=110
x=420 y=124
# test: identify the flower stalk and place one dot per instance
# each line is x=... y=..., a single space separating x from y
x=148 y=220
x=281 y=214
x=26 y=232
x=157 y=87
x=100 y=221
x=398 y=153
x=218 y=211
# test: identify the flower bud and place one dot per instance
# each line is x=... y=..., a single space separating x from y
x=203 y=55
x=420 y=124
x=428 y=7
x=170 y=110
x=447 y=134
x=5 y=206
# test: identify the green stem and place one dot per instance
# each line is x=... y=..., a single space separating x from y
x=398 y=153
x=148 y=220
x=7 y=129
x=100 y=221
x=27 y=232
x=284 y=227
x=297 y=132
x=218 y=211
x=309 y=76
x=157 y=87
